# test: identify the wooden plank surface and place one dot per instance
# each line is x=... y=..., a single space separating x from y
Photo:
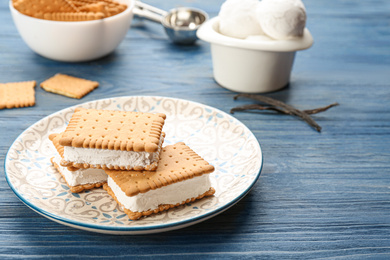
x=320 y=195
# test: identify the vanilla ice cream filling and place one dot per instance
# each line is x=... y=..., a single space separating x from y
x=171 y=194
x=111 y=158
x=81 y=176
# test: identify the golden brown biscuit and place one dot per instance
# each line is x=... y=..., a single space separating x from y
x=69 y=86
x=17 y=94
x=114 y=130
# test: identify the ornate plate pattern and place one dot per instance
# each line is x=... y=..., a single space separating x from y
x=218 y=137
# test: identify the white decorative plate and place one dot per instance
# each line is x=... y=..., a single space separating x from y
x=218 y=137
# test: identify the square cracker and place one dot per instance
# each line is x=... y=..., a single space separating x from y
x=69 y=86
x=114 y=130
x=177 y=163
x=17 y=94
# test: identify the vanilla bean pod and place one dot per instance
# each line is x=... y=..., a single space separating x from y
x=258 y=107
x=320 y=109
x=277 y=103
x=282 y=111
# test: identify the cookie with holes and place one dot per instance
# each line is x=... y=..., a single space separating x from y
x=182 y=176
x=110 y=139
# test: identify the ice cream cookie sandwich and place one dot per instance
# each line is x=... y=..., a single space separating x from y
x=182 y=176
x=111 y=139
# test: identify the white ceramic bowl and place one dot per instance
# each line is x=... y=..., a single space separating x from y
x=251 y=66
x=74 y=41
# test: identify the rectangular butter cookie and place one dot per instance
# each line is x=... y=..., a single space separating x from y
x=68 y=85
x=17 y=94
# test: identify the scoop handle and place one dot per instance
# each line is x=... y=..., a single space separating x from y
x=148 y=12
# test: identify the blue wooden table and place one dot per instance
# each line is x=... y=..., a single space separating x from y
x=320 y=195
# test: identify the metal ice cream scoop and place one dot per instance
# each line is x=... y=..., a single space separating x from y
x=180 y=23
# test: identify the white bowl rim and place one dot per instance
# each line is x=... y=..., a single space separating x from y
x=125 y=12
x=208 y=33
